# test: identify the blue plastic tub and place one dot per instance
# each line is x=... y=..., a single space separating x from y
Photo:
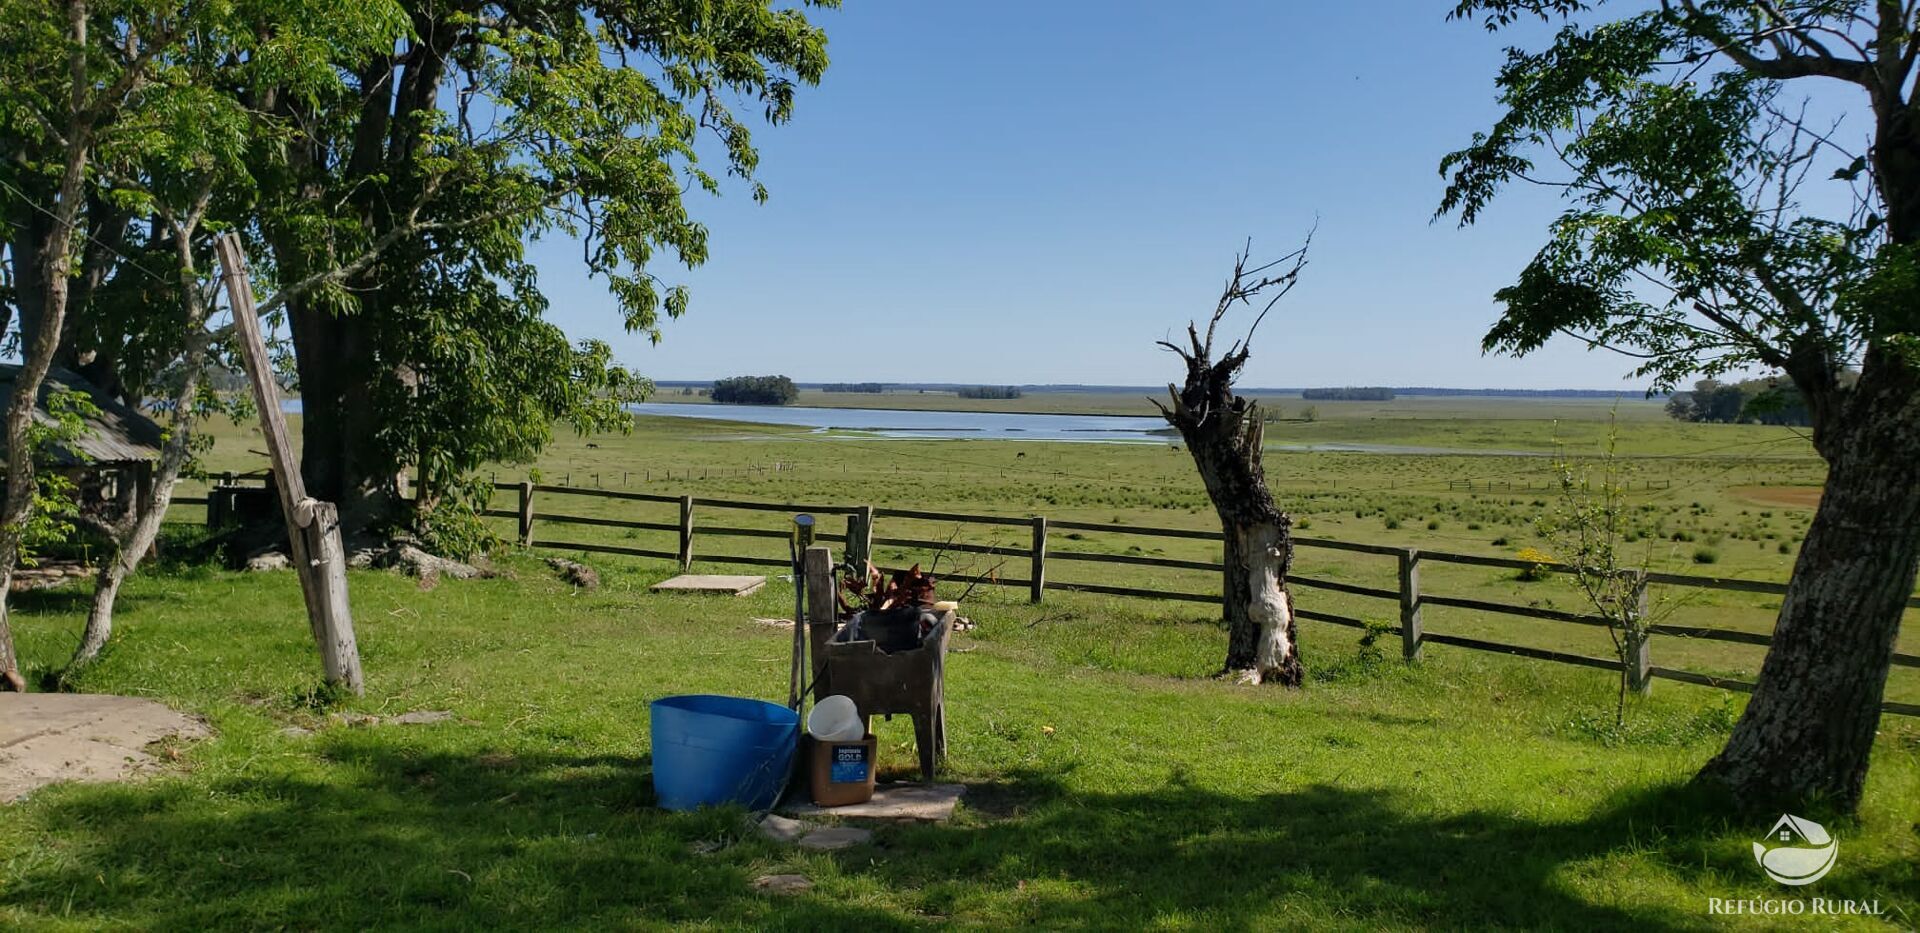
x=717 y=750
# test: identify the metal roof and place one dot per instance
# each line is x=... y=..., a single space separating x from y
x=118 y=434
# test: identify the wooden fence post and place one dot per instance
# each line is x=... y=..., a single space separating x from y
x=526 y=513
x=1038 y=572
x=686 y=532
x=860 y=537
x=1410 y=604
x=821 y=609
x=313 y=527
x=1639 y=654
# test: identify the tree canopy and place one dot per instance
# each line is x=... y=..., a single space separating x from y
x=755 y=390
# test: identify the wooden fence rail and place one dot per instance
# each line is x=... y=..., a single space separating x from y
x=1409 y=596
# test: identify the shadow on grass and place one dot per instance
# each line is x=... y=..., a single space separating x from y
x=1179 y=853
x=373 y=835
x=73 y=597
x=379 y=837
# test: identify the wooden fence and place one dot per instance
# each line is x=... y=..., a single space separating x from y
x=1408 y=598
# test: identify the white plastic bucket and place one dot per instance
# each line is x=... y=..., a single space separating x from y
x=835 y=719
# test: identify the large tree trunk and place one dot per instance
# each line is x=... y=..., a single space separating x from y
x=1225 y=434
x=1808 y=732
x=56 y=267
x=338 y=456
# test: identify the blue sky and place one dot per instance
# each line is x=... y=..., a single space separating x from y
x=1035 y=192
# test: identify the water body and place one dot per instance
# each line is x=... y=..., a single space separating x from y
x=995 y=425
x=923 y=425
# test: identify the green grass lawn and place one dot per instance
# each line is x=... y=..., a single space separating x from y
x=1113 y=784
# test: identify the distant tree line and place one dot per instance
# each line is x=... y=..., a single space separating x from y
x=990 y=392
x=1754 y=401
x=1349 y=394
x=755 y=390
x=870 y=388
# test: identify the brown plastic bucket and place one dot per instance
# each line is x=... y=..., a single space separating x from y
x=841 y=773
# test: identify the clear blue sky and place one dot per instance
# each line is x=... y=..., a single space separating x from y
x=1035 y=192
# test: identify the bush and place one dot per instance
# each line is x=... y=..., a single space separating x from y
x=1706 y=555
x=1539 y=570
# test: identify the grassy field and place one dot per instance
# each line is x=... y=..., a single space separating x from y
x=1113 y=783
x=1717 y=500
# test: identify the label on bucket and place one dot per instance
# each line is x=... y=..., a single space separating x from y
x=849 y=765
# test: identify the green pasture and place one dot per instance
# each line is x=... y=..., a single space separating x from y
x=1714 y=500
x=1112 y=782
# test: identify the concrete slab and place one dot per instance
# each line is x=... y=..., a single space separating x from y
x=50 y=737
x=710 y=583
x=934 y=802
x=780 y=829
x=830 y=838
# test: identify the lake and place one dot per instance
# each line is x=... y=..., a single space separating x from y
x=1001 y=426
x=880 y=422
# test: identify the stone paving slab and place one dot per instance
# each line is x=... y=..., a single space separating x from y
x=934 y=802
x=51 y=737
x=710 y=583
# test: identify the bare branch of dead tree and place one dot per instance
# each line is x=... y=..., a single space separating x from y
x=1271 y=281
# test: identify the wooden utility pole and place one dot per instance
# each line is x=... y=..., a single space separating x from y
x=313 y=527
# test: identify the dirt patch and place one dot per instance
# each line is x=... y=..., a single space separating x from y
x=1791 y=497
x=50 y=737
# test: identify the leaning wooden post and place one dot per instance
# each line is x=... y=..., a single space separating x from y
x=313 y=527
x=822 y=609
x=526 y=513
x=1037 y=573
x=686 y=533
x=1639 y=653
x=1410 y=604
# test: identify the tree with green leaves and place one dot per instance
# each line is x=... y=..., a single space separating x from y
x=387 y=162
x=488 y=125
x=1712 y=226
x=112 y=113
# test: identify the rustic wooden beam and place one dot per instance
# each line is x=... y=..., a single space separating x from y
x=822 y=612
x=313 y=527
